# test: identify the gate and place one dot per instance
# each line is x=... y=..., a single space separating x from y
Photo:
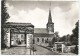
x=18 y=39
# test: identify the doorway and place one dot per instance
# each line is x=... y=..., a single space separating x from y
x=18 y=39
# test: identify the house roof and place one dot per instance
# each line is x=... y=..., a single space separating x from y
x=40 y=30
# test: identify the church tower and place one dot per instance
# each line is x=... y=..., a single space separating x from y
x=50 y=24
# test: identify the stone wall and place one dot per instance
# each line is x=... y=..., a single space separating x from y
x=7 y=37
x=69 y=48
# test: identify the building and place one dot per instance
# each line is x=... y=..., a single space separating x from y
x=18 y=34
x=50 y=24
x=42 y=36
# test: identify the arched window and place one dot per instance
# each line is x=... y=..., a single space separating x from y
x=21 y=36
x=16 y=35
x=33 y=41
x=47 y=39
x=37 y=39
x=42 y=39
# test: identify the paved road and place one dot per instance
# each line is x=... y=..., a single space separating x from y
x=23 y=51
x=14 y=51
x=43 y=51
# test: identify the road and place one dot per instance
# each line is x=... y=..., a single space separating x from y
x=43 y=51
x=23 y=51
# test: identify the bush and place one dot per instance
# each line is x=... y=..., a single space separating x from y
x=65 y=49
x=33 y=49
x=68 y=44
x=75 y=50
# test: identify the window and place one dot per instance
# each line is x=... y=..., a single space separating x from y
x=37 y=39
x=21 y=36
x=42 y=39
x=16 y=35
x=46 y=41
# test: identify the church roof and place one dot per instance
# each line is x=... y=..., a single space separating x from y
x=40 y=30
x=43 y=35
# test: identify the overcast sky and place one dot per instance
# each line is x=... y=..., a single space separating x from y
x=64 y=14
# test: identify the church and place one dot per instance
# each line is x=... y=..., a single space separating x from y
x=42 y=36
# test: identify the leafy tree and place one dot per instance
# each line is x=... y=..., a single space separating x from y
x=50 y=43
x=46 y=41
x=74 y=36
x=54 y=40
x=4 y=14
x=68 y=43
x=57 y=36
x=4 y=17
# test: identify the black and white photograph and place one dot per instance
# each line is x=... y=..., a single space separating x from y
x=36 y=27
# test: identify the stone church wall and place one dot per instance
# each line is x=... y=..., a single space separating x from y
x=44 y=42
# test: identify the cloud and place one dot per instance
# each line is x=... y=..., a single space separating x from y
x=73 y=14
x=60 y=22
x=32 y=16
x=64 y=21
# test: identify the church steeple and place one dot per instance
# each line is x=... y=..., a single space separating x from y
x=50 y=24
x=49 y=17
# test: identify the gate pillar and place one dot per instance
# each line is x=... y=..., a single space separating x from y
x=29 y=40
x=7 y=37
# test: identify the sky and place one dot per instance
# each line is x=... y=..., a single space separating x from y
x=64 y=14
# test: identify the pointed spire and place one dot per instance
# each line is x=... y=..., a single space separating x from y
x=50 y=18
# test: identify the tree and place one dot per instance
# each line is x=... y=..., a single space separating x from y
x=63 y=38
x=54 y=40
x=50 y=44
x=57 y=36
x=4 y=14
x=4 y=17
x=74 y=36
